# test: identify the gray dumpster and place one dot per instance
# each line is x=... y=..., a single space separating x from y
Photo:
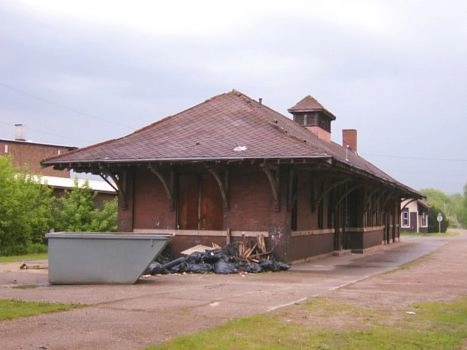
x=92 y=258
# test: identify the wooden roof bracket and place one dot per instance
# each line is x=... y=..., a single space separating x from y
x=105 y=177
x=274 y=180
x=120 y=181
x=223 y=185
x=391 y=196
x=346 y=193
x=168 y=185
x=408 y=202
x=370 y=197
x=315 y=203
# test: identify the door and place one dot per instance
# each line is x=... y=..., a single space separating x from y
x=200 y=203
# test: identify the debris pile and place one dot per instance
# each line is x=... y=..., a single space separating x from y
x=232 y=258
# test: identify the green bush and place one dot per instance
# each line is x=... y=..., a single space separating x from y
x=76 y=211
x=28 y=210
x=25 y=209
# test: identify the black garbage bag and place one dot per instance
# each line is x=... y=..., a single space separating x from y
x=180 y=268
x=250 y=267
x=155 y=268
x=200 y=268
x=223 y=260
x=273 y=265
x=225 y=267
x=213 y=256
x=195 y=258
x=174 y=263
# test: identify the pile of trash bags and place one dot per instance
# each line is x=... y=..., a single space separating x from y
x=222 y=261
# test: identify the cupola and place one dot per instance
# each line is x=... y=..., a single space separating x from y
x=312 y=115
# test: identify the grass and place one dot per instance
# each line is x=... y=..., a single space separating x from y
x=325 y=324
x=15 y=258
x=451 y=232
x=11 y=309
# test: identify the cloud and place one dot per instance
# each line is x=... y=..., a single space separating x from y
x=211 y=18
x=393 y=69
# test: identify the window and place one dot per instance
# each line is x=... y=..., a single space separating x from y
x=405 y=222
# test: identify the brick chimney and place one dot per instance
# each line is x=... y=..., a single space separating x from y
x=19 y=132
x=310 y=114
x=349 y=139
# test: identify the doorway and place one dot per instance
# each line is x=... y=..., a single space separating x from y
x=200 y=203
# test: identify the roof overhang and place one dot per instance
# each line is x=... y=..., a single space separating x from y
x=86 y=165
x=402 y=190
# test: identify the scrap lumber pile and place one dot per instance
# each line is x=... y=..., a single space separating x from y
x=245 y=256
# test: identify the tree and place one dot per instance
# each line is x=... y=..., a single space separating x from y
x=439 y=199
x=76 y=211
x=450 y=205
x=433 y=224
x=25 y=209
x=461 y=208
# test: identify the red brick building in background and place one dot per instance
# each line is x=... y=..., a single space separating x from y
x=28 y=155
x=231 y=168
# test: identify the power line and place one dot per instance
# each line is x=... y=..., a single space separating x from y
x=46 y=132
x=61 y=105
x=417 y=158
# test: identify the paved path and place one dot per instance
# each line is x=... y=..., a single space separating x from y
x=161 y=307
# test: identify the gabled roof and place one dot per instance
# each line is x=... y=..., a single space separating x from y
x=230 y=126
x=310 y=104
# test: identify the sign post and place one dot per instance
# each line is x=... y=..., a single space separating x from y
x=439 y=218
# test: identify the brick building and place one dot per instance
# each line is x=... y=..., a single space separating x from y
x=231 y=168
x=27 y=156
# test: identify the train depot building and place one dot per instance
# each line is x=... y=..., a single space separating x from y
x=231 y=168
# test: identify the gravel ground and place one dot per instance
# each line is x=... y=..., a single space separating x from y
x=158 y=308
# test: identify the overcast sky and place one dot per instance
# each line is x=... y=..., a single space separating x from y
x=81 y=72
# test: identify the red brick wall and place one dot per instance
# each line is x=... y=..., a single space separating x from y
x=151 y=205
x=29 y=155
x=125 y=203
x=303 y=247
x=373 y=238
x=251 y=206
x=358 y=241
x=251 y=200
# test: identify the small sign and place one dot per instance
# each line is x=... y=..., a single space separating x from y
x=440 y=217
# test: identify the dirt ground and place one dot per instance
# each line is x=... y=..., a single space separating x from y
x=438 y=276
x=158 y=308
